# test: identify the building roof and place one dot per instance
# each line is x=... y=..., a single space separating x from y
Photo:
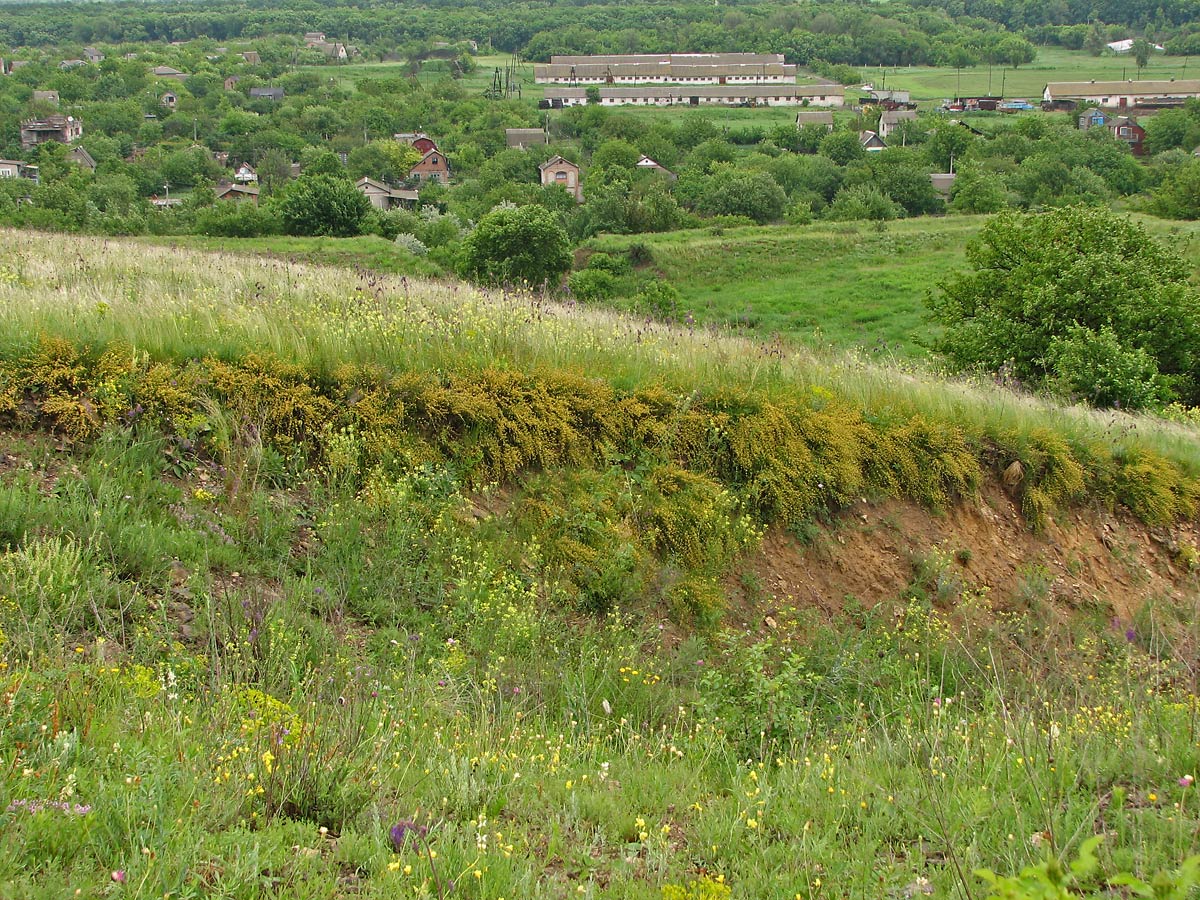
x=893 y=116
x=647 y=163
x=229 y=188
x=1126 y=45
x=525 y=132
x=81 y=156
x=814 y=117
x=701 y=90
x=164 y=70
x=269 y=92
x=49 y=123
x=702 y=59
x=669 y=69
x=557 y=161
x=1070 y=89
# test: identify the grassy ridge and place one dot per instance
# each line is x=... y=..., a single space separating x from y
x=317 y=552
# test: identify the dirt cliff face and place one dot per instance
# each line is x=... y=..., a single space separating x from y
x=1086 y=560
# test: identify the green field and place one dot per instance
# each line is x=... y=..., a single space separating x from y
x=845 y=285
x=475 y=82
x=1052 y=64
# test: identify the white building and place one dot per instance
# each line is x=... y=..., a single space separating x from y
x=702 y=95
x=1118 y=94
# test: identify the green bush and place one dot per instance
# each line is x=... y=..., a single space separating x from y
x=591 y=285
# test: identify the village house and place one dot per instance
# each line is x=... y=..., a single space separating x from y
x=824 y=118
x=564 y=173
x=50 y=97
x=251 y=57
x=169 y=99
x=1121 y=94
x=315 y=40
x=889 y=119
x=237 y=193
x=168 y=72
x=11 y=168
x=419 y=140
x=67 y=64
x=232 y=82
x=384 y=196
x=646 y=164
x=81 y=157
x=701 y=95
x=871 y=141
x=888 y=99
x=92 y=55
x=1128 y=131
x=62 y=129
x=433 y=166
x=264 y=93
x=943 y=183
x=1093 y=118
x=245 y=174
x=523 y=138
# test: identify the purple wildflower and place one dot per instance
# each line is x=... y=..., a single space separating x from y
x=402 y=832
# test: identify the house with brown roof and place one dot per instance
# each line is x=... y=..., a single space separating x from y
x=275 y=95
x=231 y=82
x=433 y=167
x=1128 y=131
x=564 y=173
x=871 y=141
x=384 y=196
x=169 y=99
x=92 y=55
x=238 y=193
x=62 y=129
x=168 y=72
x=822 y=117
x=251 y=57
x=81 y=157
x=523 y=138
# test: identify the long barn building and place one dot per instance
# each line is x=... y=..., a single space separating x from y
x=1122 y=94
x=668 y=68
x=702 y=95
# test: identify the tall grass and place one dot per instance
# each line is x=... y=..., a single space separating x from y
x=176 y=305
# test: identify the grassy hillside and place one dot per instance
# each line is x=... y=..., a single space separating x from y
x=842 y=285
x=323 y=583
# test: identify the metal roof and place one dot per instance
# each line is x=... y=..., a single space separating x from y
x=1125 y=88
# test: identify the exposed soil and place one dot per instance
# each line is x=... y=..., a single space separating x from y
x=1088 y=559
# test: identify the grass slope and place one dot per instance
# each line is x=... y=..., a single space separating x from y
x=318 y=583
x=840 y=285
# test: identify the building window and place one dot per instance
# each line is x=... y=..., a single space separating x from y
x=1124 y=131
x=560 y=176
